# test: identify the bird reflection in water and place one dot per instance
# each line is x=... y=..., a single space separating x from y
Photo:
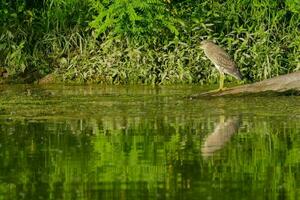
x=220 y=136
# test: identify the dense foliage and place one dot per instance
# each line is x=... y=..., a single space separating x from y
x=146 y=41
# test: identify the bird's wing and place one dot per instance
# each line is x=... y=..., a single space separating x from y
x=221 y=58
x=224 y=61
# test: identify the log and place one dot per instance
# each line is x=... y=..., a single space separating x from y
x=284 y=84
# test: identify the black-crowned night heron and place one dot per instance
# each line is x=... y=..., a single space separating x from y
x=221 y=60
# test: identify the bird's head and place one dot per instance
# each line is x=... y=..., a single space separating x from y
x=205 y=43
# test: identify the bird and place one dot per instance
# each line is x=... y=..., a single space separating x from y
x=222 y=61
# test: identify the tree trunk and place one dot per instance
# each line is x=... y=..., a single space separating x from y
x=289 y=83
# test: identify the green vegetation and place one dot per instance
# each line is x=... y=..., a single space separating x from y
x=146 y=41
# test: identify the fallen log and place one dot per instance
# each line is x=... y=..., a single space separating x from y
x=284 y=84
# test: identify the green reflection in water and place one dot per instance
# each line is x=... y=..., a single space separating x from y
x=97 y=142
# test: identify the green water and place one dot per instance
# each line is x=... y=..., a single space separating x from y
x=115 y=142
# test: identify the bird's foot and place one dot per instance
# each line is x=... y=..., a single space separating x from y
x=222 y=89
x=219 y=89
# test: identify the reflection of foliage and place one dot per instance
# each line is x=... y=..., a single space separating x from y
x=263 y=156
x=132 y=142
x=144 y=157
x=63 y=158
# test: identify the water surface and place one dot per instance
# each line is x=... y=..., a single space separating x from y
x=116 y=142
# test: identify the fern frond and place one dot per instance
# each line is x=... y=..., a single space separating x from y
x=133 y=17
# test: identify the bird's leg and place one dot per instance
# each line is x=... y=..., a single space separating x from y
x=222 y=76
